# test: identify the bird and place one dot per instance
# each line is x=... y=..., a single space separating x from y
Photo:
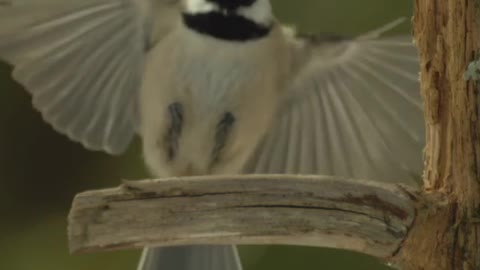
x=218 y=87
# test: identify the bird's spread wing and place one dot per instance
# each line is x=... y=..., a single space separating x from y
x=82 y=61
x=353 y=110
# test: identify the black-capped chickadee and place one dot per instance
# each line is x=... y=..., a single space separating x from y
x=217 y=87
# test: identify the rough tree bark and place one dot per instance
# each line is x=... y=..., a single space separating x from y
x=447 y=234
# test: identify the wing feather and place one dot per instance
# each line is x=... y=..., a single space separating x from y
x=353 y=110
x=82 y=61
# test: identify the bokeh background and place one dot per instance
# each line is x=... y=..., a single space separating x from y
x=41 y=171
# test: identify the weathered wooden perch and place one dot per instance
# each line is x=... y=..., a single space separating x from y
x=367 y=217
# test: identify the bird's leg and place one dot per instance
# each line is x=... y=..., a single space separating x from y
x=224 y=128
x=175 y=111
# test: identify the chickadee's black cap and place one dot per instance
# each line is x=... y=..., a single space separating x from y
x=232 y=4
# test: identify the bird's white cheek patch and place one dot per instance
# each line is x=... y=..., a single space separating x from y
x=200 y=6
x=260 y=12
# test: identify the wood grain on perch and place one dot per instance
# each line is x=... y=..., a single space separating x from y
x=367 y=217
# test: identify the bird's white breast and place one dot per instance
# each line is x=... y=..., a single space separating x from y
x=209 y=77
x=215 y=74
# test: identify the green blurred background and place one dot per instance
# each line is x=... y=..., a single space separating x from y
x=41 y=171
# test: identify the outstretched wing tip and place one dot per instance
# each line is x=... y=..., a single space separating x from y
x=85 y=86
x=357 y=109
x=107 y=147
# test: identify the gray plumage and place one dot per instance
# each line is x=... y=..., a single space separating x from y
x=354 y=110
x=191 y=257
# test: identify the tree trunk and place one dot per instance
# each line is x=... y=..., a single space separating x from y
x=447 y=236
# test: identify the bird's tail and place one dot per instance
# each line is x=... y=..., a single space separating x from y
x=190 y=258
